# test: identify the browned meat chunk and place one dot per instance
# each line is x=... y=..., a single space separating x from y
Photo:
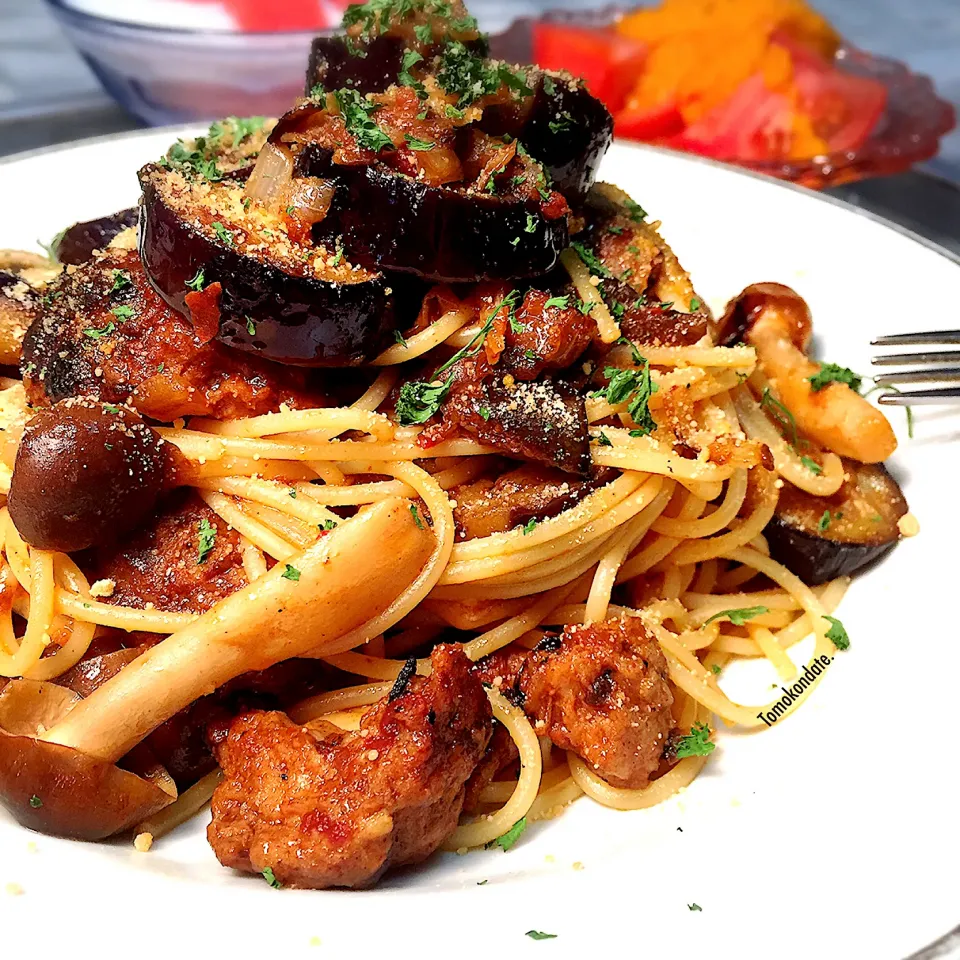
x=168 y=563
x=487 y=506
x=601 y=691
x=106 y=334
x=325 y=808
x=657 y=324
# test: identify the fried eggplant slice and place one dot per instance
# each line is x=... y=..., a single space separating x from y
x=821 y=538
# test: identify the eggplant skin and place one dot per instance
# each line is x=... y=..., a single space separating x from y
x=816 y=560
x=78 y=242
x=863 y=526
x=567 y=129
x=392 y=222
x=376 y=67
x=295 y=320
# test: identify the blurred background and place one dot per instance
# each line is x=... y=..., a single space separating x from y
x=79 y=68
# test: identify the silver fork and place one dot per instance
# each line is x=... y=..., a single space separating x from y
x=927 y=373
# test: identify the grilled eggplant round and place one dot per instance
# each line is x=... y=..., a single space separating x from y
x=451 y=234
x=821 y=538
x=562 y=125
x=77 y=243
x=246 y=281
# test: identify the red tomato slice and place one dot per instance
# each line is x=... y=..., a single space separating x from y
x=752 y=124
x=657 y=124
x=608 y=62
x=843 y=108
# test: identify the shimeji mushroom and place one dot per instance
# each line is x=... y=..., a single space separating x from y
x=58 y=756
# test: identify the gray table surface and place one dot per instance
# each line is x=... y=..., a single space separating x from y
x=48 y=95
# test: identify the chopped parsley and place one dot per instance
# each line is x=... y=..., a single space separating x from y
x=338 y=256
x=317 y=91
x=695 y=303
x=715 y=668
x=357 y=113
x=783 y=417
x=452 y=112
x=121 y=281
x=812 y=465
x=96 y=333
x=207 y=537
x=604 y=440
x=235 y=129
x=531 y=226
x=540 y=935
x=123 y=313
x=637 y=213
x=223 y=234
x=529 y=526
x=697 y=743
x=739 y=616
x=423 y=32
x=419 y=400
x=824 y=521
x=111 y=408
x=515 y=325
x=197 y=282
x=290 y=573
x=399 y=339
x=36 y=802
x=562 y=124
x=292 y=493
x=549 y=87
x=832 y=373
x=327 y=525
x=694 y=907
x=485 y=412
x=271 y=878
x=415 y=513
x=415 y=143
x=635 y=387
x=470 y=77
x=251 y=327
x=561 y=302
x=191 y=163
x=591 y=260
x=508 y=839
x=837 y=634
x=410 y=59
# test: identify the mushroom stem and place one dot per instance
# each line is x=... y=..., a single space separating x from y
x=348 y=576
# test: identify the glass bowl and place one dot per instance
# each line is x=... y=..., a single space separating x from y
x=909 y=132
x=168 y=75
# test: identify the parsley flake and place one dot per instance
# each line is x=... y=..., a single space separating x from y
x=271 y=878
x=96 y=333
x=739 y=616
x=694 y=907
x=540 y=935
x=695 y=304
x=508 y=839
x=251 y=327
x=207 y=537
x=591 y=260
x=123 y=313
x=837 y=634
x=783 y=417
x=197 y=282
x=485 y=412
x=697 y=743
x=832 y=373
x=36 y=802
x=357 y=113
x=812 y=465
x=604 y=440
x=561 y=302
x=529 y=526
x=415 y=513
x=399 y=339
x=327 y=525
x=415 y=143
x=290 y=573
x=824 y=522
x=223 y=234
x=121 y=281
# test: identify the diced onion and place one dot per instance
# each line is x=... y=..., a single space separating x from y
x=309 y=199
x=271 y=175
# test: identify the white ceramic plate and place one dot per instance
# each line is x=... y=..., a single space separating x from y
x=835 y=833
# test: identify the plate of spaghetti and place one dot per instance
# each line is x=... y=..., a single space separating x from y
x=388 y=505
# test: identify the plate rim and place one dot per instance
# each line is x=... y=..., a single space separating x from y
x=947 y=945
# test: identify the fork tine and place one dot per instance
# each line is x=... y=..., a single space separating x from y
x=913 y=397
x=919 y=376
x=935 y=356
x=917 y=339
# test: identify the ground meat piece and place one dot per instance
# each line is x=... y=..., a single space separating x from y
x=487 y=506
x=601 y=691
x=105 y=333
x=657 y=324
x=501 y=753
x=326 y=808
x=160 y=564
x=501 y=669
